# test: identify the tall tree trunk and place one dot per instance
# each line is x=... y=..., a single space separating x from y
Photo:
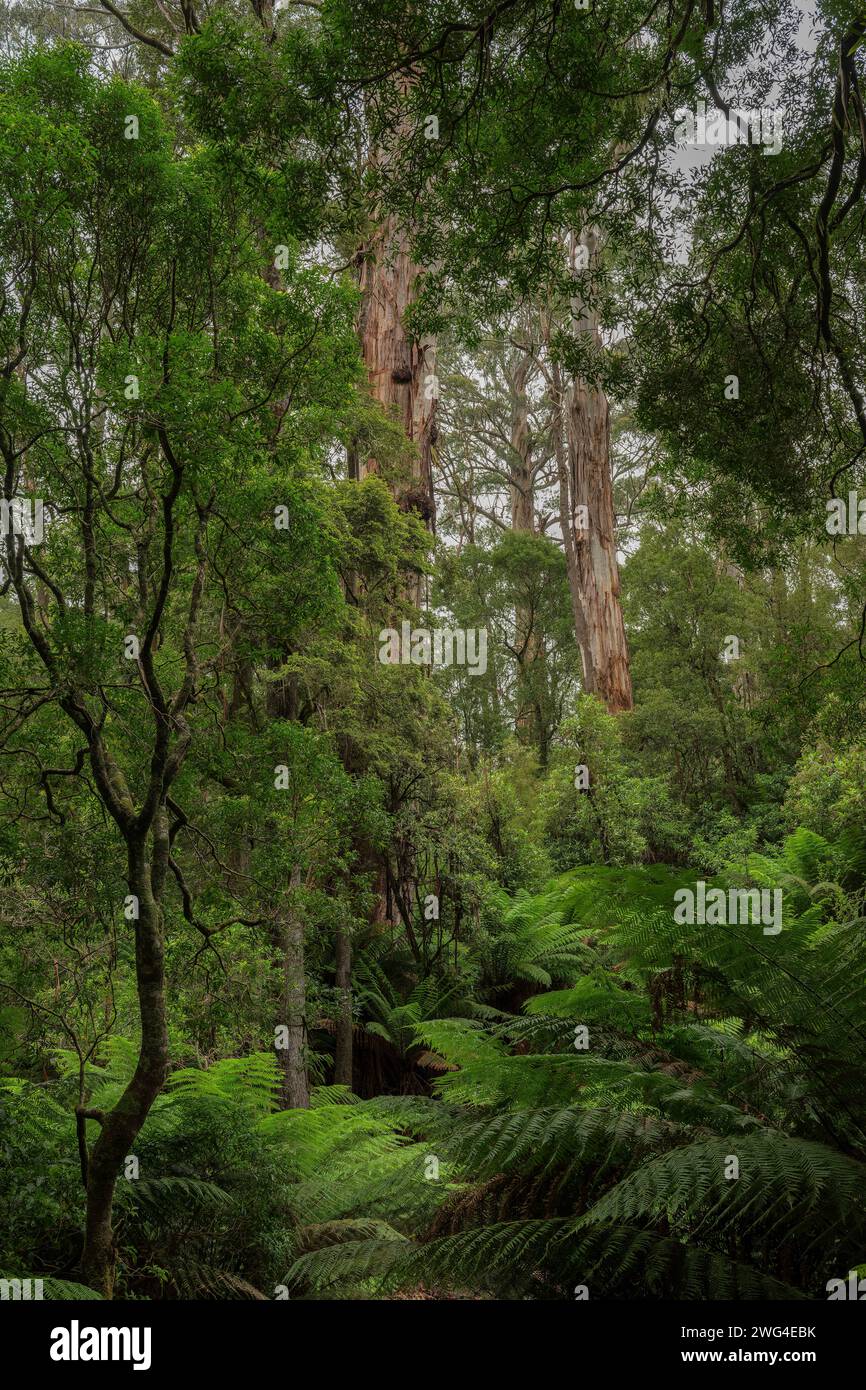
x=592 y=521
x=401 y=369
x=343 y=981
x=529 y=648
x=606 y=657
x=566 y=510
x=295 y=1090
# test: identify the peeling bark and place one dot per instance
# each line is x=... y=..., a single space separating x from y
x=401 y=369
x=601 y=631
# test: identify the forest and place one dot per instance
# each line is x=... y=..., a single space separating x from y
x=433 y=650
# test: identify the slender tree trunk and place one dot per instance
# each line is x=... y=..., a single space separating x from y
x=566 y=511
x=343 y=980
x=295 y=1091
x=121 y=1125
x=522 y=488
x=529 y=648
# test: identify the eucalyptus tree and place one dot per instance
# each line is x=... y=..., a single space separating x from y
x=551 y=127
x=495 y=466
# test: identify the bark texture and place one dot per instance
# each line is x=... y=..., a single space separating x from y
x=401 y=369
x=120 y=1126
x=591 y=520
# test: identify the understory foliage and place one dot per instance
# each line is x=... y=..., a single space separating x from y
x=584 y=1143
x=609 y=1167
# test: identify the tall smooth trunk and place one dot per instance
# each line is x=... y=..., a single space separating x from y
x=566 y=510
x=529 y=647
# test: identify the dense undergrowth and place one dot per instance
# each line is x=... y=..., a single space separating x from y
x=676 y=1111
